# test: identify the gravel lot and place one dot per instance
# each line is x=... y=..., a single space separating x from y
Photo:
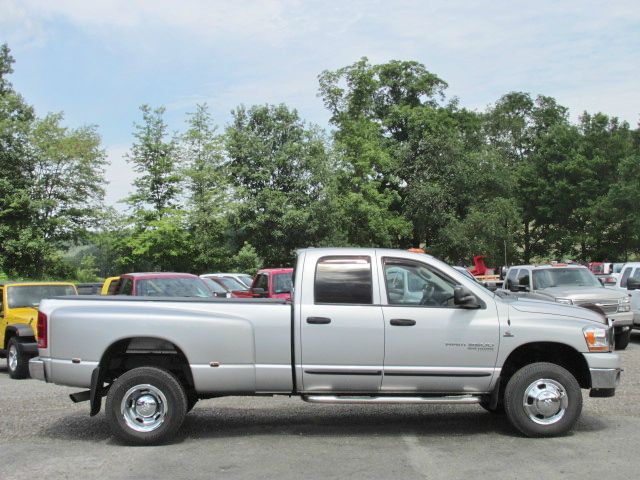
x=43 y=435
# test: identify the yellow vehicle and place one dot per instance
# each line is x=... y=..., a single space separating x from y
x=18 y=316
x=110 y=286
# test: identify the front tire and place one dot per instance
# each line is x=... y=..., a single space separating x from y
x=543 y=400
x=17 y=362
x=622 y=339
x=146 y=406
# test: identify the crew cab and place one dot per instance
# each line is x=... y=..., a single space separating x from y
x=573 y=285
x=349 y=335
x=628 y=281
x=18 y=312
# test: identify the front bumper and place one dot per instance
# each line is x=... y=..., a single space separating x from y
x=605 y=370
x=39 y=369
x=605 y=377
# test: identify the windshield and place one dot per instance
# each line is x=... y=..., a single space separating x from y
x=31 y=295
x=282 y=283
x=172 y=287
x=561 y=277
x=214 y=286
x=231 y=283
x=246 y=279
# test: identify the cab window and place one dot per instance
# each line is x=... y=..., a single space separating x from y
x=511 y=278
x=262 y=282
x=523 y=277
x=344 y=280
x=126 y=287
x=414 y=283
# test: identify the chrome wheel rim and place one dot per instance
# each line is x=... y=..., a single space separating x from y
x=545 y=401
x=144 y=408
x=13 y=358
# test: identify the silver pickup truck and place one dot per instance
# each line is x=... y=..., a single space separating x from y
x=355 y=332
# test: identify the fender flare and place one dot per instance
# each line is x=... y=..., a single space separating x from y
x=22 y=330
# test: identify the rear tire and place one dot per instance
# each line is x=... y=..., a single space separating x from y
x=145 y=406
x=543 y=400
x=622 y=339
x=17 y=362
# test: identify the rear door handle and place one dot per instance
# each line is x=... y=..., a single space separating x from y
x=318 y=320
x=402 y=322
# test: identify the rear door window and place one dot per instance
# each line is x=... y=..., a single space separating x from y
x=344 y=280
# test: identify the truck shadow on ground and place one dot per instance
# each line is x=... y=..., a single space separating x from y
x=209 y=422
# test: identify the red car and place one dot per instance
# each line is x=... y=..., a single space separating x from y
x=163 y=284
x=271 y=283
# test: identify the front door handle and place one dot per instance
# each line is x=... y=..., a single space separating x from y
x=402 y=322
x=318 y=320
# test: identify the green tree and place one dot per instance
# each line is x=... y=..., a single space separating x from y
x=51 y=179
x=247 y=260
x=153 y=157
x=280 y=171
x=518 y=127
x=201 y=153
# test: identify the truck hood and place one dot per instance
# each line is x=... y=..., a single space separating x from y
x=548 y=308
x=583 y=294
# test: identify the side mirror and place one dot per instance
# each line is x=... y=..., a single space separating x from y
x=258 y=292
x=633 y=284
x=518 y=288
x=463 y=297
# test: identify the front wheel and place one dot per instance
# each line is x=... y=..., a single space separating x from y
x=622 y=339
x=17 y=362
x=543 y=400
x=146 y=406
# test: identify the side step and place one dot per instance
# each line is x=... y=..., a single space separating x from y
x=456 y=399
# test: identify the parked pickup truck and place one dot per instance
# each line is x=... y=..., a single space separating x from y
x=573 y=285
x=628 y=281
x=270 y=283
x=18 y=314
x=347 y=336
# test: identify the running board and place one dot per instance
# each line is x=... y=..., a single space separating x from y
x=456 y=399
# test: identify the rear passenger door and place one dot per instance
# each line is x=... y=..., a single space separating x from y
x=342 y=328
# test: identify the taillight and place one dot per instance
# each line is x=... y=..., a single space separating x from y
x=42 y=330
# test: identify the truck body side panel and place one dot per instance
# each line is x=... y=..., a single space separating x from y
x=230 y=346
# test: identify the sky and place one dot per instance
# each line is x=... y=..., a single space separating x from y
x=98 y=61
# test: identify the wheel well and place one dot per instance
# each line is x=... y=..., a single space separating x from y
x=558 y=353
x=130 y=353
x=8 y=335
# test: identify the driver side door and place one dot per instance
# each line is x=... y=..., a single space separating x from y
x=432 y=345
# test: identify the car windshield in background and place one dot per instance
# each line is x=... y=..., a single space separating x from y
x=246 y=279
x=232 y=283
x=172 y=287
x=564 y=277
x=31 y=295
x=214 y=286
x=282 y=283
